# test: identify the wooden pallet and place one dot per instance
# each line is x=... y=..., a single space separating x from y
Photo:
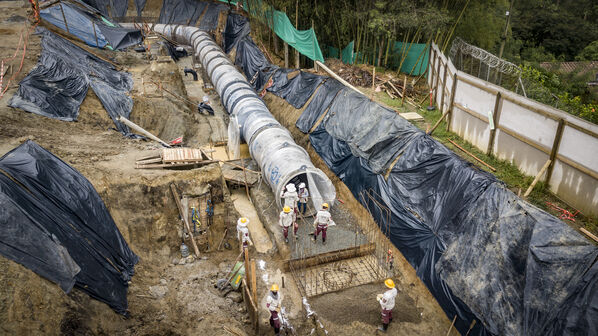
x=174 y=158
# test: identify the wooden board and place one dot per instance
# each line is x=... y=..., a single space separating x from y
x=181 y=155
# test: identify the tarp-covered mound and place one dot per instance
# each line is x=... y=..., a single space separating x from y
x=55 y=223
x=59 y=82
x=484 y=253
x=92 y=30
x=188 y=12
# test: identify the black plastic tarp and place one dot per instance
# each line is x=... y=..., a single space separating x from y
x=76 y=215
x=209 y=20
x=119 y=37
x=184 y=12
x=24 y=238
x=484 y=253
x=237 y=27
x=109 y=8
x=59 y=82
x=480 y=250
x=92 y=30
x=140 y=5
x=373 y=132
x=250 y=58
x=297 y=90
x=319 y=104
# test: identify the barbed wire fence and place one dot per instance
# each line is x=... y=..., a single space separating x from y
x=489 y=67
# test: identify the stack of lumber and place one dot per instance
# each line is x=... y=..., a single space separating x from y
x=174 y=158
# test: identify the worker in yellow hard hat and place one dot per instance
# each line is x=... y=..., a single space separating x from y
x=322 y=221
x=285 y=220
x=273 y=305
x=387 y=303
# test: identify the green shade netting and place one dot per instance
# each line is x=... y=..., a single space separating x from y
x=416 y=57
x=304 y=41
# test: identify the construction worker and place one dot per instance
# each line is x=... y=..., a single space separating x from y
x=273 y=305
x=290 y=196
x=303 y=195
x=285 y=220
x=243 y=232
x=205 y=105
x=322 y=221
x=387 y=303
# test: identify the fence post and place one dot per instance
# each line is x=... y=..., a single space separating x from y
x=437 y=80
x=452 y=102
x=495 y=118
x=555 y=149
x=443 y=88
x=297 y=65
x=433 y=62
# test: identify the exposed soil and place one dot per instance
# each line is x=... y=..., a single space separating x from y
x=167 y=296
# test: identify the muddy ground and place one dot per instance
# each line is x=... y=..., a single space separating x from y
x=166 y=297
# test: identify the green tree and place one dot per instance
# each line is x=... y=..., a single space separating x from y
x=589 y=53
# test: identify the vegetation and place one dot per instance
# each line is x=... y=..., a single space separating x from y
x=539 y=31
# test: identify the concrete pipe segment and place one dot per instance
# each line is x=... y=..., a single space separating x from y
x=281 y=160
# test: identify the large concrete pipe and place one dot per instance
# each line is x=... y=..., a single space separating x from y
x=282 y=161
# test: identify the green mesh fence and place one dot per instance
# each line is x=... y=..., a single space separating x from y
x=304 y=41
x=347 y=55
x=412 y=57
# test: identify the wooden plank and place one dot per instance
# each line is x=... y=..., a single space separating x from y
x=175 y=165
x=253 y=281
x=537 y=178
x=177 y=199
x=528 y=141
x=471 y=112
x=589 y=234
x=555 y=149
x=578 y=166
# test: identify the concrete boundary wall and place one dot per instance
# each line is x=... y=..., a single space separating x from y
x=525 y=132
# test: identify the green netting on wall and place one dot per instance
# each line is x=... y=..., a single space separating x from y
x=414 y=56
x=304 y=41
x=347 y=54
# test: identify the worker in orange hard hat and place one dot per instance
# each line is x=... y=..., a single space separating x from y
x=387 y=303
x=273 y=305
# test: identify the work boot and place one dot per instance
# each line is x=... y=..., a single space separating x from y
x=324 y=241
x=381 y=328
x=296 y=237
x=286 y=240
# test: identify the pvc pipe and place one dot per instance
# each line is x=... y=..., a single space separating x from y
x=270 y=144
x=141 y=130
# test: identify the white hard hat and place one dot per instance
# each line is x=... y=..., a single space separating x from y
x=301 y=185
x=243 y=221
x=206 y=99
x=291 y=187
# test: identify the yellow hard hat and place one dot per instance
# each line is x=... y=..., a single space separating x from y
x=389 y=283
x=243 y=220
x=286 y=209
x=324 y=205
x=274 y=288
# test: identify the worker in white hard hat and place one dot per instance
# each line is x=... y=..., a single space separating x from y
x=273 y=305
x=290 y=196
x=205 y=105
x=322 y=221
x=387 y=303
x=243 y=232
x=290 y=200
x=285 y=220
x=303 y=195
